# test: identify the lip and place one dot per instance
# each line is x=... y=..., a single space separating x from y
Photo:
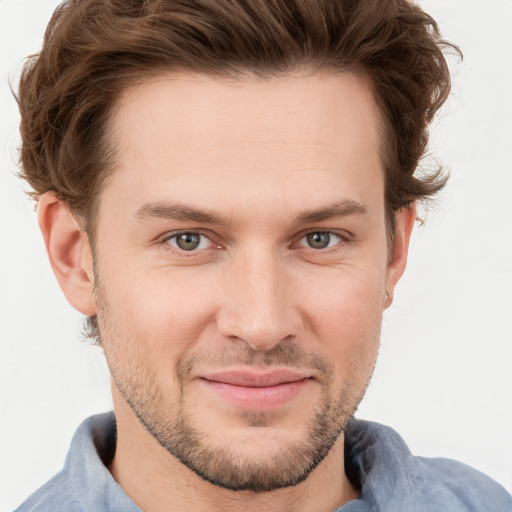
x=257 y=390
x=256 y=379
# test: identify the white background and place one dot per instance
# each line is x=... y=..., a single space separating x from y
x=444 y=378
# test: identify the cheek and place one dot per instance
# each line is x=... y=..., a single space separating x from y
x=162 y=311
x=346 y=318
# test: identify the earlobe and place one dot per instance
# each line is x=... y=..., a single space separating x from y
x=398 y=255
x=69 y=252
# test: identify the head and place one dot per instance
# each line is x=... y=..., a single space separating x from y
x=229 y=185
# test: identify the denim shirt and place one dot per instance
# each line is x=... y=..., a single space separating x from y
x=377 y=460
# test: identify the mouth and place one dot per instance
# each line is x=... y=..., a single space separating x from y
x=257 y=390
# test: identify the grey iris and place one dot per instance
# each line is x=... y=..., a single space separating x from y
x=188 y=241
x=318 y=240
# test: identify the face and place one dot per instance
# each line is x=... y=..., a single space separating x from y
x=241 y=268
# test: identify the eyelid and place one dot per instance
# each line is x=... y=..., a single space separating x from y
x=164 y=239
x=342 y=233
x=344 y=236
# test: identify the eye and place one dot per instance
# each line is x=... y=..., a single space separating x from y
x=188 y=241
x=320 y=240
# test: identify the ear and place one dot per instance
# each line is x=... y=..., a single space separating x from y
x=404 y=222
x=69 y=252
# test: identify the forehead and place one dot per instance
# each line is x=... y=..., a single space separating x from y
x=320 y=107
x=199 y=136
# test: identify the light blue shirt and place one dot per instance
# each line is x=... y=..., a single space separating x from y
x=390 y=477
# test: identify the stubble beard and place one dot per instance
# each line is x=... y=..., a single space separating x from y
x=226 y=466
x=230 y=468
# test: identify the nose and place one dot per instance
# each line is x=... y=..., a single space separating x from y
x=259 y=301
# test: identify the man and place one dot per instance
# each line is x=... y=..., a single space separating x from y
x=226 y=190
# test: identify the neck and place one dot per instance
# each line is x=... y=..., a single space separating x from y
x=153 y=479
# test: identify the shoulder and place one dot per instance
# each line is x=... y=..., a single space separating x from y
x=56 y=495
x=85 y=483
x=449 y=481
x=392 y=478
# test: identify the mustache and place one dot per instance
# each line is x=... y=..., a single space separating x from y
x=285 y=354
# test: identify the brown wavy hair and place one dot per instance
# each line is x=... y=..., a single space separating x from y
x=93 y=49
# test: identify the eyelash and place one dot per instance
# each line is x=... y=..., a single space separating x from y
x=344 y=238
x=165 y=242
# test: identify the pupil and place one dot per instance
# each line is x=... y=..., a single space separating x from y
x=188 y=241
x=318 y=240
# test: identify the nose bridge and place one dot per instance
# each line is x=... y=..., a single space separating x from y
x=258 y=305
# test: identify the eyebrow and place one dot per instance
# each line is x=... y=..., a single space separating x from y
x=179 y=212
x=162 y=210
x=344 y=208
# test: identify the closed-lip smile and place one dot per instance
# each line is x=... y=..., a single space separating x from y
x=256 y=390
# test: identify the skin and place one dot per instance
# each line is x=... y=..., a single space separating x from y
x=268 y=161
